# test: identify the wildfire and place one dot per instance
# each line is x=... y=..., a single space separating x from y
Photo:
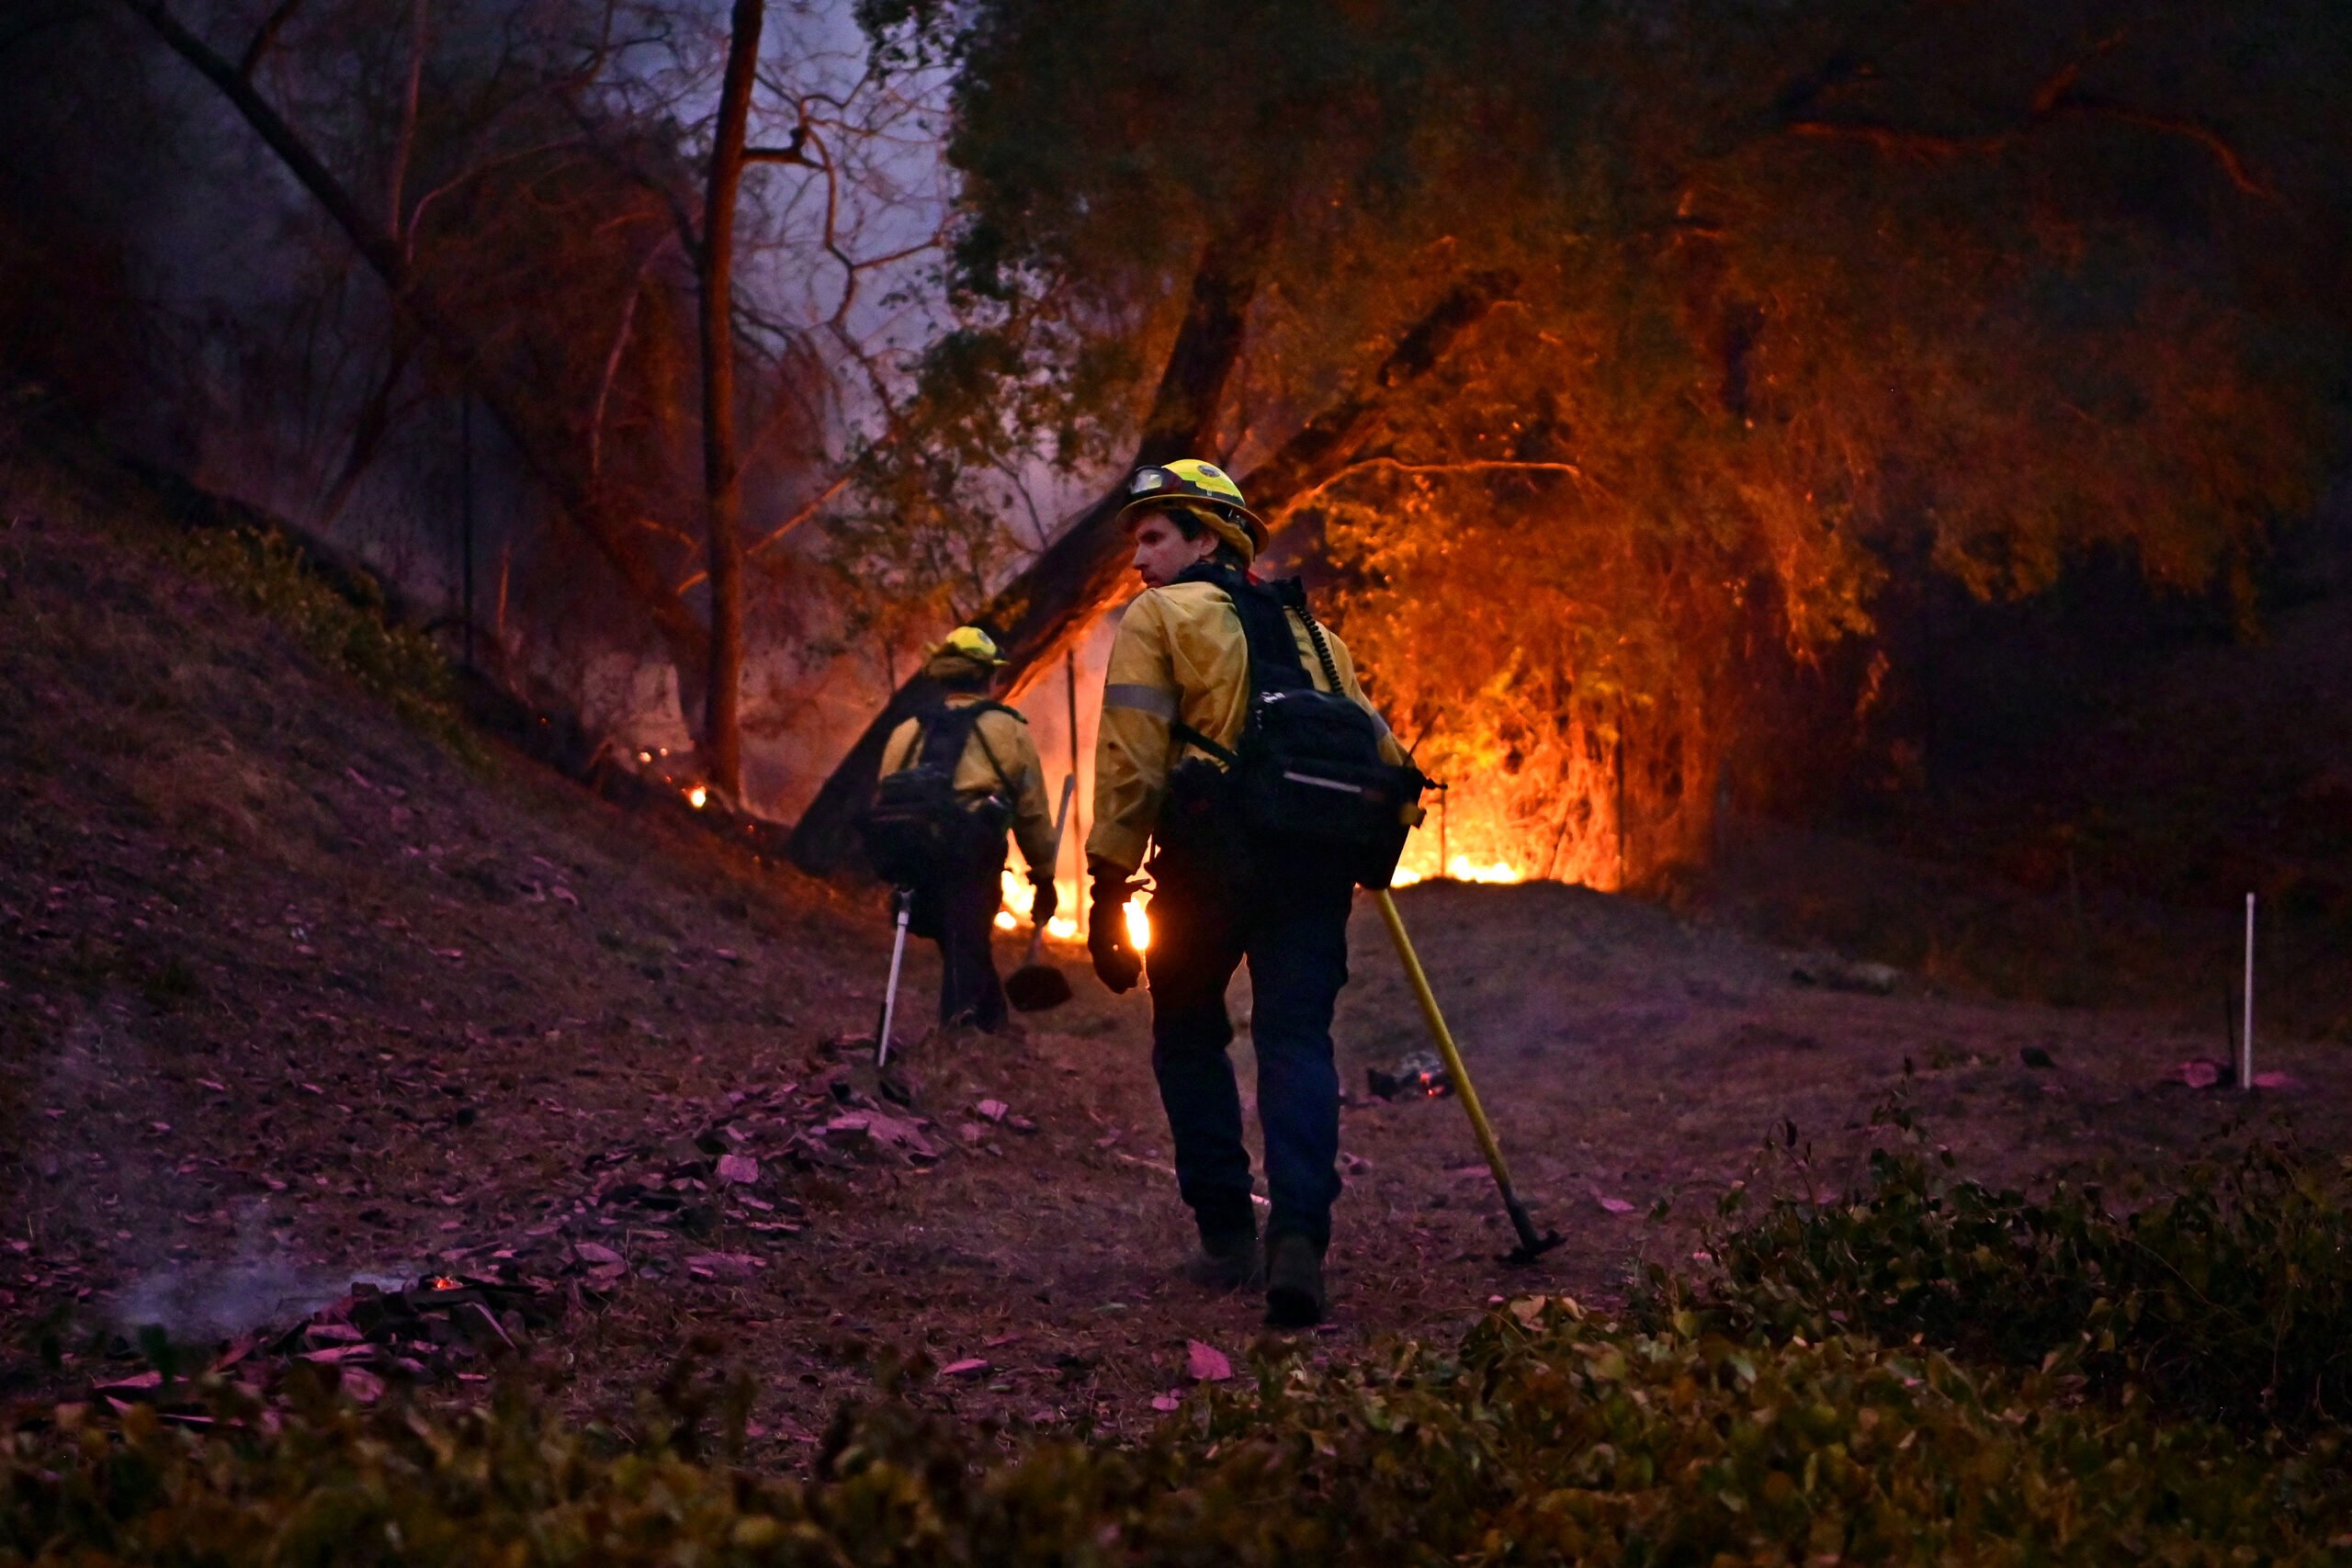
x=1013 y=915
x=1462 y=868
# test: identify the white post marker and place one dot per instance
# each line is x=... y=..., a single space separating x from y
x=2246 y=1026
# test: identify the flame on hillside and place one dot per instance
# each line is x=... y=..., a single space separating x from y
x=1013 y=913
x=1461 y=868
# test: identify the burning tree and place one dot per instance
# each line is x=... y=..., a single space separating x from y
x=1802 y=306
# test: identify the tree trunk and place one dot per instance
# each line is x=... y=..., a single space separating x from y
x=1043 y=611
x=722 y=732
x=541 y=448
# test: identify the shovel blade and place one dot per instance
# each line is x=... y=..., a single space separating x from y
x=1033 y=988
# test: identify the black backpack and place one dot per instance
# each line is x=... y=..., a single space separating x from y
x=1307 y=782
x=920 y=828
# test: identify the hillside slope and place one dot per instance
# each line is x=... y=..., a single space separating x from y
x=290 y=995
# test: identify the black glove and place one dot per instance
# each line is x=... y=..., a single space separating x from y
x=1046 y=901
x=1116 y=964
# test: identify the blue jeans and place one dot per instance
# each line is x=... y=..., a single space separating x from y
x=958 y=911
x=1294 y=935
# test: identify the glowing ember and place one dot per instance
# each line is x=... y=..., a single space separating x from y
x=696 y=797
x=442 y=1282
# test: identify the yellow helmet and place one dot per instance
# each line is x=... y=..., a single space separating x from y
x=969 y=643
x=1191 y=479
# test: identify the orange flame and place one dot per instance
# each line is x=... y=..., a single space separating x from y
x=1461 y=868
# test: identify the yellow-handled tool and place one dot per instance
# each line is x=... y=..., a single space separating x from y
x=1530 y=1245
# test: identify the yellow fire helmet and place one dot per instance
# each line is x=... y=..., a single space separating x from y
x=972 y=643
x=1191 y=479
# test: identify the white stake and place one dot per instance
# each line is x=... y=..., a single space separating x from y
x=2245 y=1028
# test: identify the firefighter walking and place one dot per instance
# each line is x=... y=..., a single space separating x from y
x=1236 y=747
x=953 y=778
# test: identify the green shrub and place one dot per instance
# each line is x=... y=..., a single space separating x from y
x=1544 y=1437
x=347 y=631
x=2230 y=1299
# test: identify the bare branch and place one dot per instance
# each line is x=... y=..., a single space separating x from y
x=404 y=141
x=790 y=153
x=1398 y=465
x=2058 y=95
x=266 y=36
x=611 y=367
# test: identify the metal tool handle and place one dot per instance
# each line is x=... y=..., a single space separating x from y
x=1061 y=820
x=890 y=991
x=1458 y=1074
x=1530 y=1244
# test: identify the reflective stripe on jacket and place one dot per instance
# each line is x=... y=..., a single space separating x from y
x=1181 y=654
x=1004 y=736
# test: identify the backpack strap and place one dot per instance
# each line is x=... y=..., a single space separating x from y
x=1293 y=595
x=1275 y=663
x=948 y=728
x=973 y=728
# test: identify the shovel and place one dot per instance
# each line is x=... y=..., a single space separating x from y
x=1531 y=1245
x=890 y=991
x=1035 y=987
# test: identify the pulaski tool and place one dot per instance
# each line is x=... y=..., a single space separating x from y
x=1530 y=1245
x=1035 y=987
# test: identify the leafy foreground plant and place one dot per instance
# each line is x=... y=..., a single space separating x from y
x=2230 y=1299
x=1547 y=1438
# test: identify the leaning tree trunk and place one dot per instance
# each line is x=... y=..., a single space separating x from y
x=1044 y=610
x=1030 y=616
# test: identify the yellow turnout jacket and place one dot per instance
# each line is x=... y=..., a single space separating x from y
x=1004 y=736
x=1181 y=654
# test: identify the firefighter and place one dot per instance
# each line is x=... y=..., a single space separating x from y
x=996 y=779
x=1175 y=701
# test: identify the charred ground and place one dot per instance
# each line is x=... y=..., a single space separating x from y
x=293 y=993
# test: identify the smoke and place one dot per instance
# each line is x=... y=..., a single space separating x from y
x=123 y=1197
x=202 y=1300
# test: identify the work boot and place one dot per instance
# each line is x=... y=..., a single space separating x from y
x=1227 y=1262
x=1294 y=1281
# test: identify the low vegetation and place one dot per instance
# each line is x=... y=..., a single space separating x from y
x=1924 y=1370
x=52 y=468
x=347 y=629
x=2230 y=1298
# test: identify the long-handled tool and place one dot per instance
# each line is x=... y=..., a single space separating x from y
x=1035 y=987
x=1531 y=1245
x=890 y=991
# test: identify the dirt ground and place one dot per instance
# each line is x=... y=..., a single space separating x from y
x=289 y=997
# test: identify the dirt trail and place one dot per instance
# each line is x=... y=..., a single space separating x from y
x=289 y=996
